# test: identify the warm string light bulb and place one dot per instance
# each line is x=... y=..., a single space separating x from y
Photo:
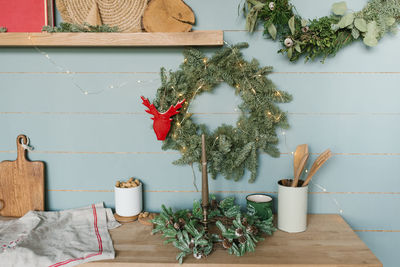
x=278 y=94
x=205 y=60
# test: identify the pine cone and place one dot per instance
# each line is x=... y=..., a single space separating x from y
x=191 y=244
x=252 y=229
x=244 y=222
x=239 y=232
x=177 y=226
x=226 y=244
x=182 y=222
x=189 y=214
x=242 y=239
x=198 y=256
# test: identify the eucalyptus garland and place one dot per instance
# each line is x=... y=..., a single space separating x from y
x=231 y=150
x=323 y=37
x=238 y=232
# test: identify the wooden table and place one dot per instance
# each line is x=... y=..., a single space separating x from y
x=328 y=241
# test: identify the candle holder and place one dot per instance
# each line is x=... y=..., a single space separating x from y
x=204 y=189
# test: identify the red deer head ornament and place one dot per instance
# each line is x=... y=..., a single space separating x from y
x=162 y=121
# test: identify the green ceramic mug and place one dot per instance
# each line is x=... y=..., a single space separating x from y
x=262 y=204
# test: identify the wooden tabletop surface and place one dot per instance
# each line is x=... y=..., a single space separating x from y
x=328 y=241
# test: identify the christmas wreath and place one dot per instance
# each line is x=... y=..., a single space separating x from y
x=238 y=232
x=325 y=36
x=231 y=150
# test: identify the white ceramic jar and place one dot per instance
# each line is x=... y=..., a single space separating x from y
x=128 y=201
x=292 y=208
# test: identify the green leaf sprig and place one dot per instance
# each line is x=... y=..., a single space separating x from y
x=323 y=37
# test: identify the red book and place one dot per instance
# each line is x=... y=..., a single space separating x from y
x=26 y=15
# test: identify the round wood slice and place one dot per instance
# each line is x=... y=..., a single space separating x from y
x=167 y=16
x=123 y=219
x=146 y=221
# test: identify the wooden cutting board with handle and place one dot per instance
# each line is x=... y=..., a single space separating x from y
x=21 y=183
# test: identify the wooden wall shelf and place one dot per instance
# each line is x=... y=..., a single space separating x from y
x=158 y=39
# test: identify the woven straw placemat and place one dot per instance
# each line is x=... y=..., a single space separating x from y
x=125 y=14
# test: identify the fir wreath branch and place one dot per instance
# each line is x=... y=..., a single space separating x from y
x=231 y=150
x=323 y=37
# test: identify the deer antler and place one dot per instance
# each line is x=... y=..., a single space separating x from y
x=173 y=110
x=151 y=108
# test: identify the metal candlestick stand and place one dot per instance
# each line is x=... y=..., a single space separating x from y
x=204 y=188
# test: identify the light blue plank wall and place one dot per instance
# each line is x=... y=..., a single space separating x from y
x=350 y=104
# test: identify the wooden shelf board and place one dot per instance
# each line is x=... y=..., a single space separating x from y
x=158 y=39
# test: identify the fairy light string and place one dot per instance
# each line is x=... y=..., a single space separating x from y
x=277 y=93
x=73 y=75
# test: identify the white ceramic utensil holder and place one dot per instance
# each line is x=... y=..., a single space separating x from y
x=292 y=208
x=128 y=201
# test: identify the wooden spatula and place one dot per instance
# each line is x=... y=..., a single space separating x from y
x=301 y=150
x=300 y=169
x=317 y=164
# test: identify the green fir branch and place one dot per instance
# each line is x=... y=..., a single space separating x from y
x=238 y=232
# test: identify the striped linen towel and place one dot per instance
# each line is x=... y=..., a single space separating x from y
x=61 y=238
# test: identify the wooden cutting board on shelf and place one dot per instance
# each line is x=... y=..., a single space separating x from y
x=21 y=184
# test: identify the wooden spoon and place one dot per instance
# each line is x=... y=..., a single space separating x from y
x=299 y=170
x=301 y=150
x=317 y=164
